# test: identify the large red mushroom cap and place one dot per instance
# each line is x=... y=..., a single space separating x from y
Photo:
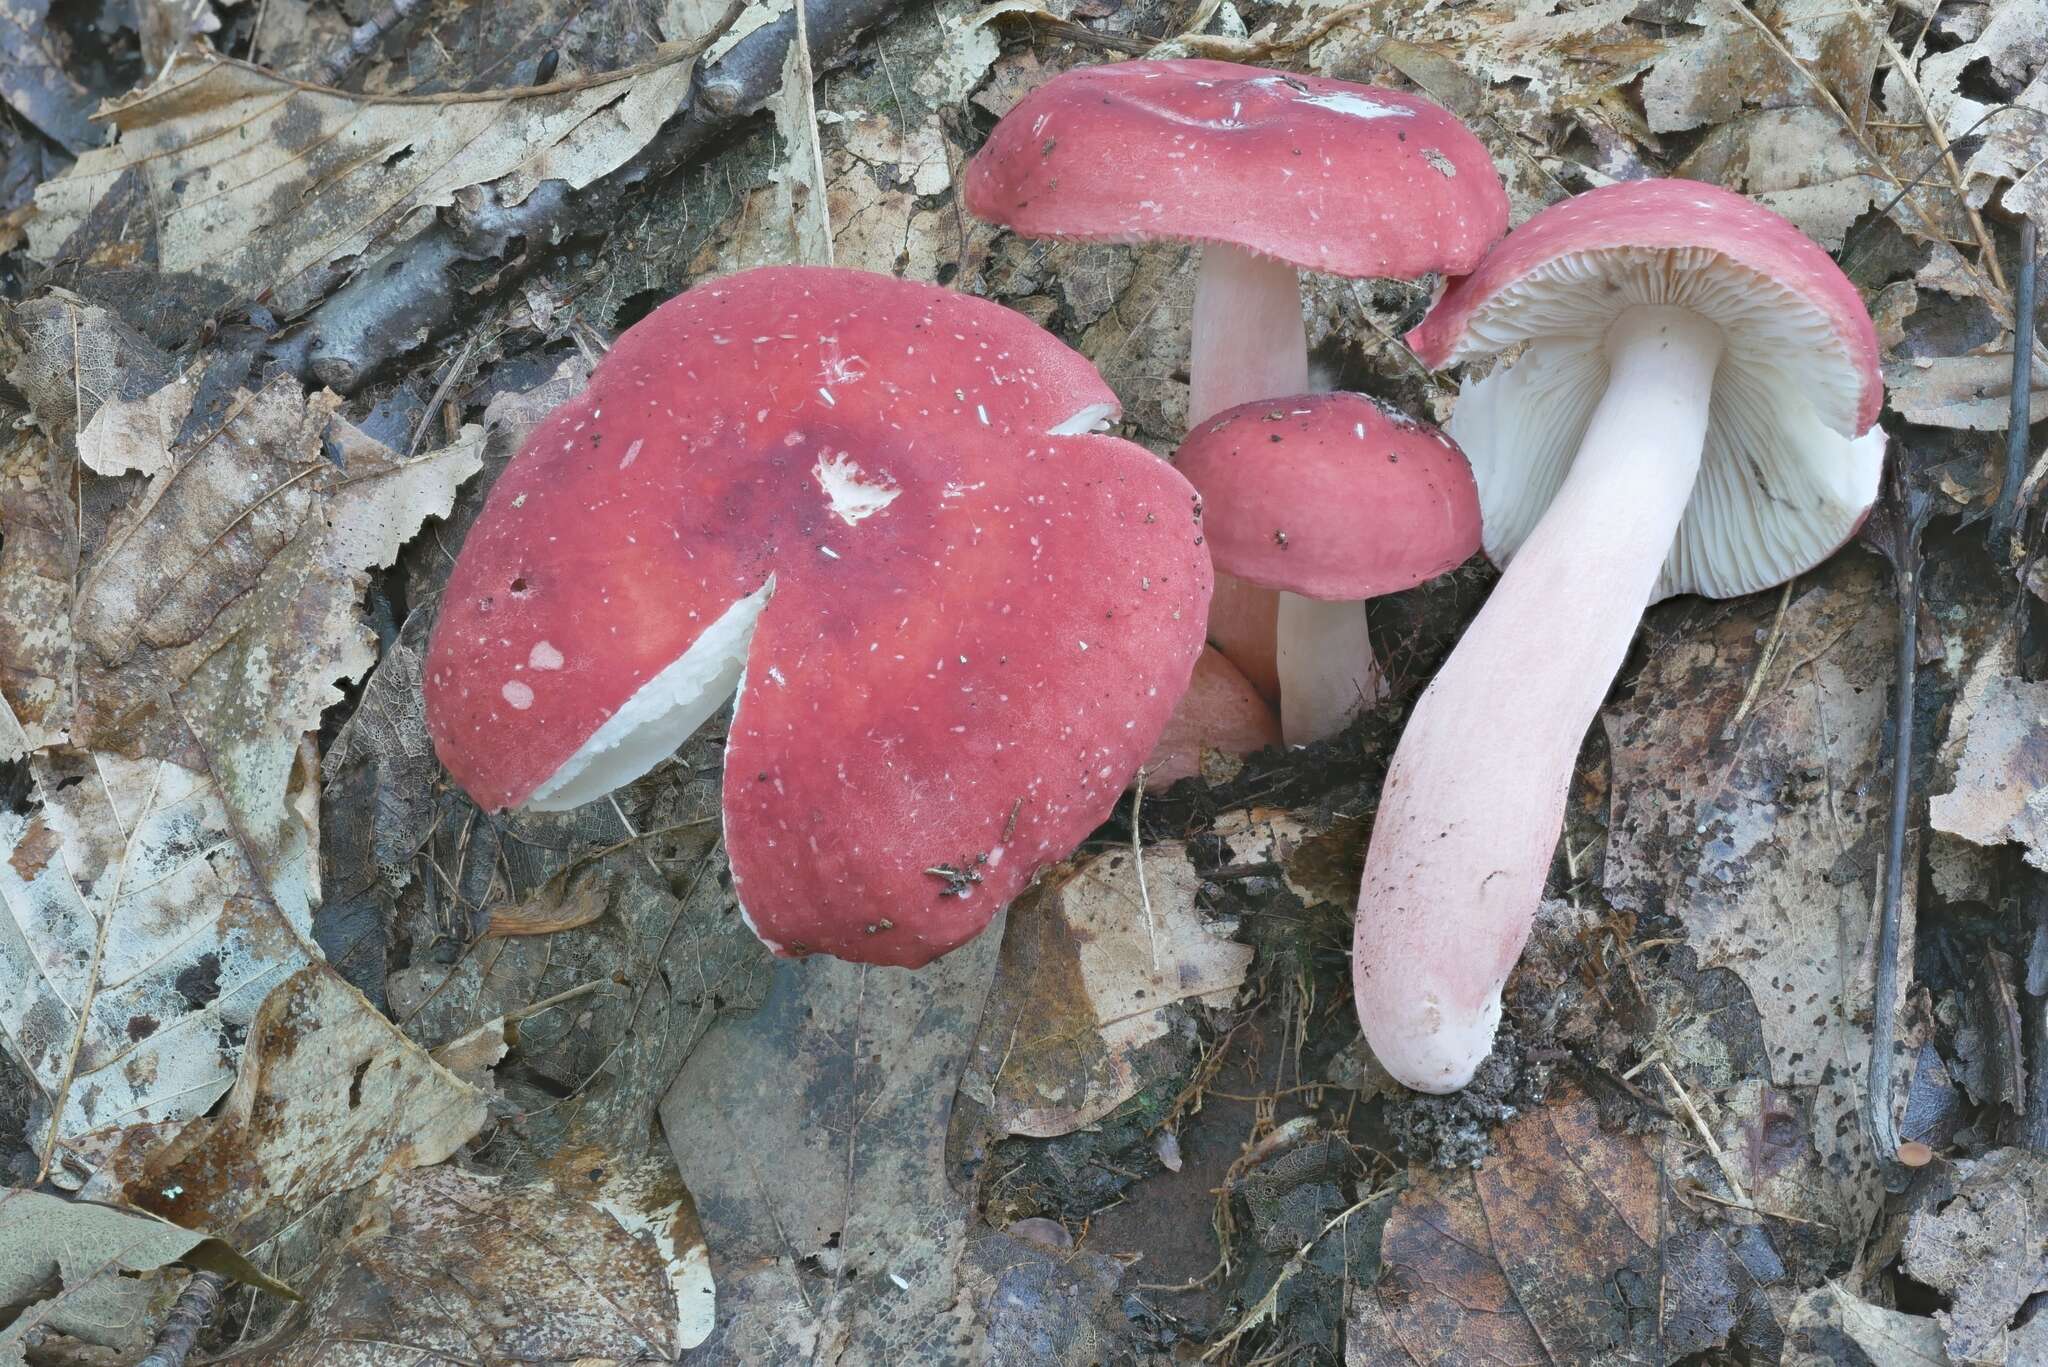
x=957 y=621
x=1792 y=455
x=1331 y=496
x=1325 y=175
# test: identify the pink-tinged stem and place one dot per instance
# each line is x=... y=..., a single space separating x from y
x=1249 y=343
x=1327 y=672
x=1474 y=801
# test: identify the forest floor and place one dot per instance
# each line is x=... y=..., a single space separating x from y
x=524 y=1088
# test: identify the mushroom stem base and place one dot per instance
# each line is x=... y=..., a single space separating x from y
x=1474 y=800
x=1327 y=671
x=1249 y=343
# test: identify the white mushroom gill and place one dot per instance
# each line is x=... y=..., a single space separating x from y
x=661 y=714
x=1096 y=417
x=1779 y=487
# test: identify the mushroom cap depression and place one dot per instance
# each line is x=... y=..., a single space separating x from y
x=1328 y=176
x=1331 y=496
x=1792 y=454
x=957 y=621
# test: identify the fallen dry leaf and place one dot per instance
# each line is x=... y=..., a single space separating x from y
x=142 y=924
x=262 y=183
x=574 y=897
x=329 y=1096
x=237 y=573
x=1522 y=1261
x=79 y=1268
x=34 y=78
x=2001 y=782
x=1984 y=1244
x=1970 y=392
x=1889 y=1338
x=1765 y=845
x=463 y=1266
x=813 y=1134
x=1082 y=1015
x=38 y=560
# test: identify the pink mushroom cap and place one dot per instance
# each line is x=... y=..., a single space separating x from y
x=1652 y=215
x=1328 y=176
x=1331 y=496
x=957 y=620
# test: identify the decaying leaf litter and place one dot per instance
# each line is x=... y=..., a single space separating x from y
x=271 y=979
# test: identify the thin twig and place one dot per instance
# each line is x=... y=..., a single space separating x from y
x=1721 y=1159
x=195 y=1308
x=2003 y=517
x=1910 y=513
x=1986 y=253
x=1763 y=663
x=1138 y=855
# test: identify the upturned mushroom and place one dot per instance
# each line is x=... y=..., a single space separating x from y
x=955 y=619
x=1271 y=173
x=1329 y=499
x=1692 y=410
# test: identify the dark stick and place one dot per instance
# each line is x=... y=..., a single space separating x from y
x=195 y=1309
x=2022 y=384
x=1910 y=518
x=2034 y=1009
x=421 y=291
x=364 y=37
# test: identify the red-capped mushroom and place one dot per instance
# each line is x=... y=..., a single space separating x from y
x=1270 y=172
x=1691 y=410
x=956 y=620
x=1221 y=712
x=1329 y=499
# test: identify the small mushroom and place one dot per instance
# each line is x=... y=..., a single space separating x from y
x=1221 y=712
x=1270 y=172
x=1331 y=500
x=1691 y=410
x=954 y=619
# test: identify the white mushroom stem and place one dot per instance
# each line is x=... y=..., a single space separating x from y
x=1249 y=343
x=1473 y=803
x=1327 y=671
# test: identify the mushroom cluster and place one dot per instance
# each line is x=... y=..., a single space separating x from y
x=953 y=618
x=1269 y=173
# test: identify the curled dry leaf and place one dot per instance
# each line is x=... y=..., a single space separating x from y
x=1765 y=844
x=2001 y=783
x=574 y=897
x=1523 y=1261
x=1082 y=1015
x=235 y=576
x=264 y=184
x=330 y=1095
x=75 y=1268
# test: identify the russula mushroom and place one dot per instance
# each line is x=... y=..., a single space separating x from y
x=1221 y=712
x=955 y=618
x=1331 y=500
x=1692 y=410
x=1270 y=172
